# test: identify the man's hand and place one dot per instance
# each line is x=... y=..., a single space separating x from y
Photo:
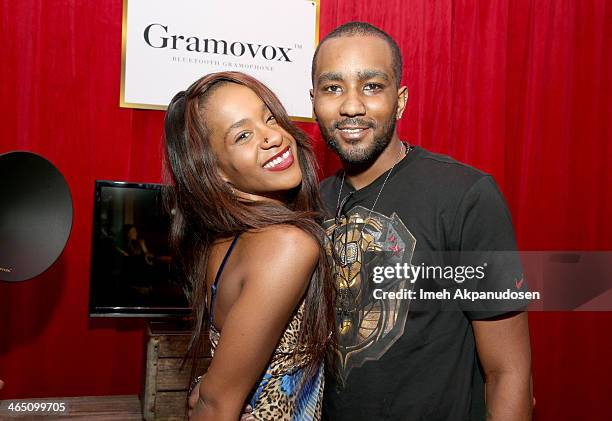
x=195 y=396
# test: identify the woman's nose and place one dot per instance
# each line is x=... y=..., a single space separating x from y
x=271 y=138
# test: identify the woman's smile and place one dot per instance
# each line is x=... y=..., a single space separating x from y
x=281 y=161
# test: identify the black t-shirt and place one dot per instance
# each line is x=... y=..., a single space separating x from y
x=401 y=358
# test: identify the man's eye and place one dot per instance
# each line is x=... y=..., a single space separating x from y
x=372 y=87
x=332 y=88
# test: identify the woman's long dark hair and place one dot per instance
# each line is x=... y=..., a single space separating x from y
x=205 y=209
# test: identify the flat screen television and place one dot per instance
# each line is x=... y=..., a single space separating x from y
x=132 y=270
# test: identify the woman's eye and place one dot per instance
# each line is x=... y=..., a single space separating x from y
x=271 y=119
x=242 y=136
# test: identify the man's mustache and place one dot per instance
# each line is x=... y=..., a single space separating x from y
x=352 y=122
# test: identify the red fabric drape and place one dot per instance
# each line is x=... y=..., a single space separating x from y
x=518 y=88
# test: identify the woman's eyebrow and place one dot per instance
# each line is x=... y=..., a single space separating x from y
x=237 y=124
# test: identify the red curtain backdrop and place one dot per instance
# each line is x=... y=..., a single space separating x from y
x=519 y=88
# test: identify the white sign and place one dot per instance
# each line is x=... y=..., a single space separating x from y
x=167 y=45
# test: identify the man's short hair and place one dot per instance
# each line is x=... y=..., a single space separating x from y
x=351 y=29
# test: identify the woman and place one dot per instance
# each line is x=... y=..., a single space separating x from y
x=246 y=228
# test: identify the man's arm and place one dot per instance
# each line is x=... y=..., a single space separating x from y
x=484 y=227
x=503 y=348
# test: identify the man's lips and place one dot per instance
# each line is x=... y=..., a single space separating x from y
x=353 y=127
x=280 y=161
x=352 y=132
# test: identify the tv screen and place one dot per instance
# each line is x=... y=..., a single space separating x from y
x=132 y=270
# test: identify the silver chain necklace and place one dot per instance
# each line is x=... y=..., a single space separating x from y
x=344 y=292
x=403 y=147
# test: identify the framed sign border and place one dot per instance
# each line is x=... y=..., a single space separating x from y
x=124 y=104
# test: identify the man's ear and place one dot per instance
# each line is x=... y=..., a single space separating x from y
x=311 y=92
x=402 y=100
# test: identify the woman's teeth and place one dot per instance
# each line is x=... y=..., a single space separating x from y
x=278 y=160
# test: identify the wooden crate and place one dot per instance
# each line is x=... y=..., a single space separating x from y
x=165 y=387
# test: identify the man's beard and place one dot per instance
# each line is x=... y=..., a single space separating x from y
x=361 y=157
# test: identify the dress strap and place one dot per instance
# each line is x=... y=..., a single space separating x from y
x=213 y=291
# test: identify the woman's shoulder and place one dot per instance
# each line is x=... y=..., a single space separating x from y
x=282 y=239
x=278 y=260
x=280 y=232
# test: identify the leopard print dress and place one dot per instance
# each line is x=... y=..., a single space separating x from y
x=282 y=393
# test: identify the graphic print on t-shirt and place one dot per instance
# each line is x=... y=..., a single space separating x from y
x=368 y=326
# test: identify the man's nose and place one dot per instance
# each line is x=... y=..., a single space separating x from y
x=352 y=105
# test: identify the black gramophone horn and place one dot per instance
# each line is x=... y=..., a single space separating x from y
x=35 y=215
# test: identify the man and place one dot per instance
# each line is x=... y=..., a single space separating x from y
x=394 y=204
